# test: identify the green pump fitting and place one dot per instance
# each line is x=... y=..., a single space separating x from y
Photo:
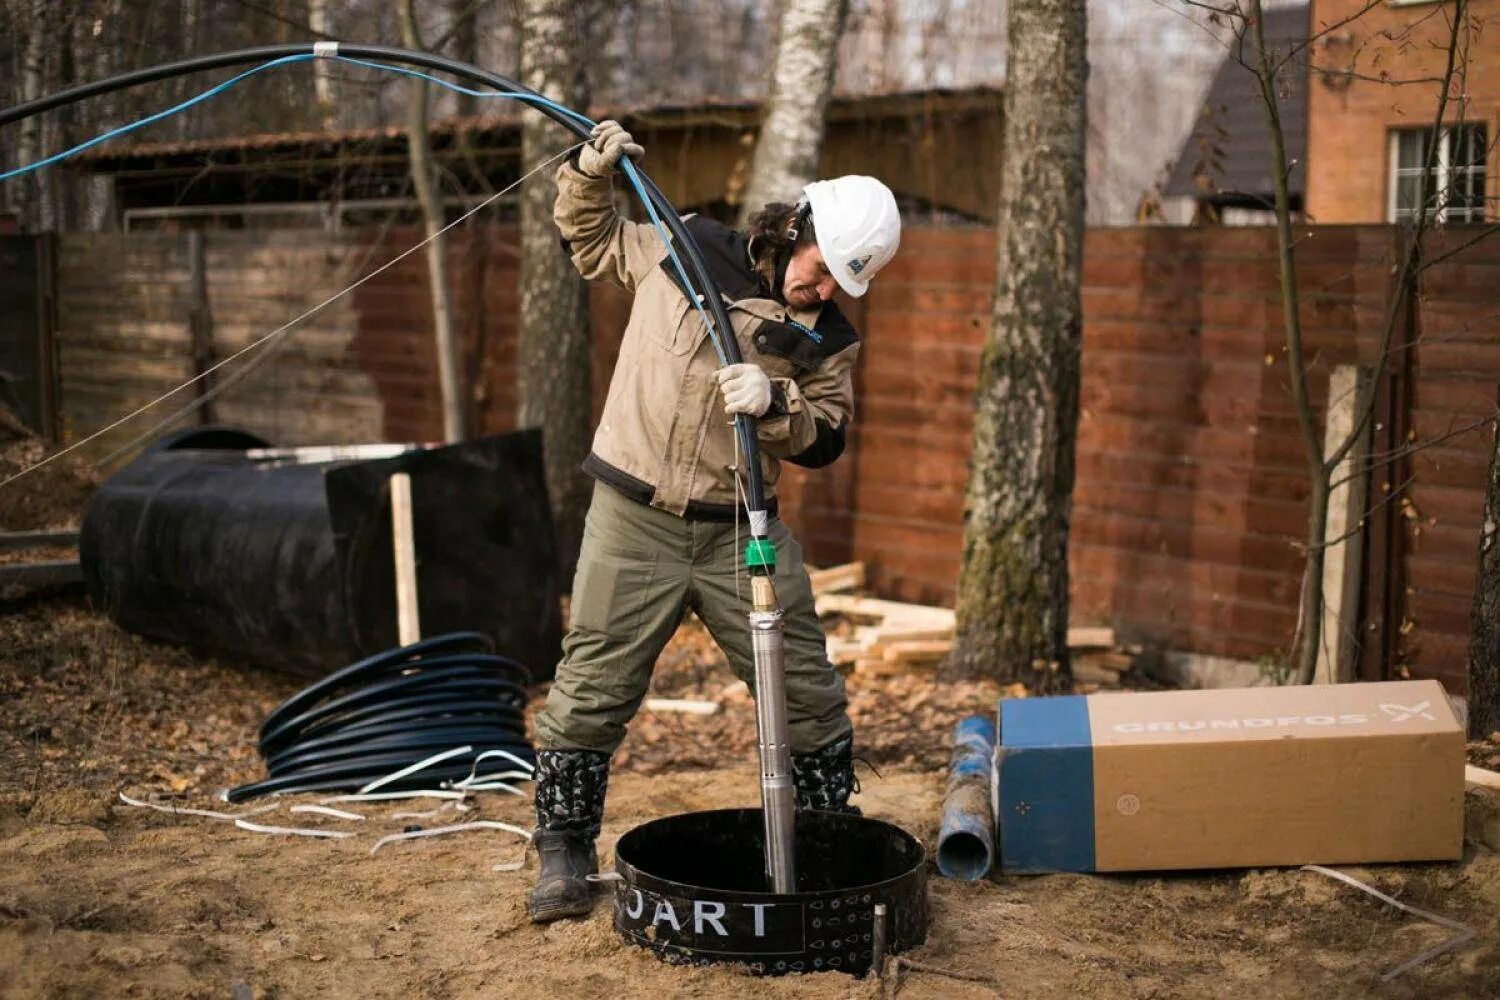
x=760 y=557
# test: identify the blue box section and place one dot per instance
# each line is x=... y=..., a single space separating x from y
x=1045 y=774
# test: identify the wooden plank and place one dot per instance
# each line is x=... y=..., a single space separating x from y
x=682 y=706
x=841 y=650
x=1481 y=777
x=13 y=541
x=35 y=575
x=408 y=622
x=1113 y=662
x=850 y=576
x=914 y=651
x=876 y=635
x=201 y=330
x=1091 y=637
x=871 y=607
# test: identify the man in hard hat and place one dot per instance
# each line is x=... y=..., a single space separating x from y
x=661 y=534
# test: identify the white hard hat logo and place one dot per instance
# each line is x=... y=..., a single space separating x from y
x=858 y=264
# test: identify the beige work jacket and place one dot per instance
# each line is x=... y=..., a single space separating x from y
x=664 y=438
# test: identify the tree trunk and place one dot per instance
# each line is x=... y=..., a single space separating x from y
x=322 y=27
x=191 y=18
x=1013 y=579
x=465 y=48
x=553 y=392
x=1309 y=632
x=31 y=54
x=430 y=199
x=791 y=133
x=1484 y=621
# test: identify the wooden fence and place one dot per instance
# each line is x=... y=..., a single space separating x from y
x=1191 y=492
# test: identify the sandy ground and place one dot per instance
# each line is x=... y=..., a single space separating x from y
x=100 y=899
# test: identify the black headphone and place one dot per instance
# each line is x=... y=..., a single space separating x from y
x=793 y=232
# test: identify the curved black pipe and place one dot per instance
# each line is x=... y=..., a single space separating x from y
x=697 y=272
x=408 y=703
x=453 y=681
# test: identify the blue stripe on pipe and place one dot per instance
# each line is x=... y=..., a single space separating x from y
x=977 y=734
x=1046 y=785
x=966 y=836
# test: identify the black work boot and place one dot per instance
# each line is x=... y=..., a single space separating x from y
x=824 y=779
x=570 y=788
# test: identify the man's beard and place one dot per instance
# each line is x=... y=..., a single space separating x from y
x=803 y=296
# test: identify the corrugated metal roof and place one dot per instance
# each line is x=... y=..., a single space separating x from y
x=1234 y=121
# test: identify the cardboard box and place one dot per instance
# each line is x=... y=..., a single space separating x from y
x=1230 y=778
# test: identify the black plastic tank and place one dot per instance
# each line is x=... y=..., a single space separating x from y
x=693 y=889
x=291 y=564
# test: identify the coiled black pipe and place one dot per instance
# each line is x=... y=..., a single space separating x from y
x=697 y=271
x=390 y=711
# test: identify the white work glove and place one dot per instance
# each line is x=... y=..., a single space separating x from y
x=602 y=155
x=746 y=389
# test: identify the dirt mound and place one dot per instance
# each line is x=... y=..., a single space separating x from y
x=98 y=898
x=52 y=496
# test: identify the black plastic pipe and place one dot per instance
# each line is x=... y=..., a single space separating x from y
x=393 y=710
x=697 y=272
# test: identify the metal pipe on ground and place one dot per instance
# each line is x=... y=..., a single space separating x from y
x=966 y=838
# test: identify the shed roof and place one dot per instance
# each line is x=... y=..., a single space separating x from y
x=1227 y=157
x=504 y=121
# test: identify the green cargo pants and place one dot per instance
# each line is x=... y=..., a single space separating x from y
x=638 y=570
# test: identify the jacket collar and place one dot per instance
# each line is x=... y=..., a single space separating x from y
x=726 y=252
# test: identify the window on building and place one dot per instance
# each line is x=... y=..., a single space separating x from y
x=1456 y=191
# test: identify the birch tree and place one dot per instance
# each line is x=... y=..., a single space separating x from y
x=553 y=391
x=31 y=27
x=429 y=197
x=791 y=132
x=1013 y=578
x=321 y=25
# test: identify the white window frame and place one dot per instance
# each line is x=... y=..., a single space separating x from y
x=1442 y=169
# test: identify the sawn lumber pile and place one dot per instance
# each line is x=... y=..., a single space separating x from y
x=889 y=636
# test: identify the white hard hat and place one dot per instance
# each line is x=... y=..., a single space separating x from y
x=858 y=228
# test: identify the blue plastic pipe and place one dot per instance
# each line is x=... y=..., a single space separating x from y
x=966 y=839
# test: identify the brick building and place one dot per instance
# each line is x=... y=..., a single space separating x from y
x=1366 y=136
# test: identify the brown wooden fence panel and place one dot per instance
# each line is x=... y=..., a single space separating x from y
x=1456 y=368
x=1191 y=490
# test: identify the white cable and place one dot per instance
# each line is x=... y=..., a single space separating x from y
x=1464 y=935
x=274 y=333
x=471 y=781
x=495 y=786
x=495 y=753
x=185 y=811
x=428 y=814
x=437 y=831
x=293 y=831
x=436 y=758
x=325 y=811
x=432 y=793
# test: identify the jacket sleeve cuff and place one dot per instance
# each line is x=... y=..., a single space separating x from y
x=775 y=425
x=779 y=405
x=569 y=173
